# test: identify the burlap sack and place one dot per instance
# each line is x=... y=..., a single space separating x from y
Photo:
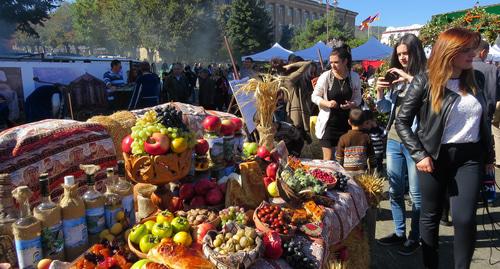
x=250 y=192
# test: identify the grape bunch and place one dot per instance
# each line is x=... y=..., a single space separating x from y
x=144 y=127
x=341 y=181
x=171 y=117
x=295 y=256
x=233 y=213
x=303 y=181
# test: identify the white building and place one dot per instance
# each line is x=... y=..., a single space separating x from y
x=392 y=34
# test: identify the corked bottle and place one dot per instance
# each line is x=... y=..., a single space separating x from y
x=49 y=215
x=94 y=205
x=113 y=203
x=73 y=218
x=125 y=189
x=27 y=231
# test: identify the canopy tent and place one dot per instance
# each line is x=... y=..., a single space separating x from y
x=371 y=50
x=276 y=51
x=494 y=54
x=312 y=52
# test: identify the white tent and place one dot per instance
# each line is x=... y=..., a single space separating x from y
x=312 y=52
x=276 y=51
x=371 y=50
x=494 y=54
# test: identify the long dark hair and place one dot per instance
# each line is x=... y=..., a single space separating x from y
x=416 y=56
x=343 y=52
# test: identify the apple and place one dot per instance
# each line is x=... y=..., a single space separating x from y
x=201 y=147
x=271 y=170
x=202 y=230
x=127 y=144
x=262 y=152
x=211 y=123
x=267 y=181
x=227 y=128
x=157 y=144
x=237 y=123
x=250 y=148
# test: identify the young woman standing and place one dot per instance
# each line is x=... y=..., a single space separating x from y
x=453 y=141
x=408 y=60
x=336 y=92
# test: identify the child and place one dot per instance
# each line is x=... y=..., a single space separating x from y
x=378 y=138
x=354 y=148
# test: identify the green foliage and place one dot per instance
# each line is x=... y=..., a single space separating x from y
x=58 y=31
x=286 y=36
x=315 y=30
x=87 y=23
x=249 y=27
x=26 y=13
x=476 y=19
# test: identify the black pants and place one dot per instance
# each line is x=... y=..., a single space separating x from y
x=458 y=170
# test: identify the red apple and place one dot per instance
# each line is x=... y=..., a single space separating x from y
x=202 y=230
x=211 y=124
x=157 y=144
x=271 y=170
x=127 y=144
x=201 y=147
x=262 y=152
x=267 y=181
x=227 y=127
x=237 y=123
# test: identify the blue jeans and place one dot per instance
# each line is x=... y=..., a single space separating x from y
x=400 y=164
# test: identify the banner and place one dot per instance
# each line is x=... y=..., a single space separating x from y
x=246 y=103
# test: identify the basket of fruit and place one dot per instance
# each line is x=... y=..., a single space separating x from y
x=159 y=150
x=273 y=218
x=297 y=186
x=149 y=233
x=234 y=247
x=235 y=214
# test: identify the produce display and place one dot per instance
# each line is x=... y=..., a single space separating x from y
x=341 y=181
x=299 y=180
x=323 y=176
x=233 y=214
x=204 y=192
x=242 y=240
x=274 y=218
x=106 y=255
x=198 y=216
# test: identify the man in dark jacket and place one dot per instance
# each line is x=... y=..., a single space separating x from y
x=176 y=86
x=207 y=90
x=491 y=76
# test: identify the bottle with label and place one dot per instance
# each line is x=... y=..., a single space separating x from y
x=27 y=231
x=113 y=203
x=94 y=205
x=125 y=189
x=73 y=218
x=49 y=214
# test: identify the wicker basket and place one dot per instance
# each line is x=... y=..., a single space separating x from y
x=161 y=169
x=262 y=227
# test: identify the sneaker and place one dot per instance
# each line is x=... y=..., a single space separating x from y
x=409 y=247
x=446 y=223
x=391 y=240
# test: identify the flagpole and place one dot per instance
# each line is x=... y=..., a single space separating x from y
x=327 y=20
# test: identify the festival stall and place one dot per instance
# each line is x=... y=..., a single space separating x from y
x=371 y=50
x=314 y=53
x=189 y=191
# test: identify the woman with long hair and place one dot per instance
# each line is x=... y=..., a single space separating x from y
x=408 y=60
x=448 y=147
x=336 y=92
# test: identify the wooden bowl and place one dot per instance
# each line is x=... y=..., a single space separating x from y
x=156 y=170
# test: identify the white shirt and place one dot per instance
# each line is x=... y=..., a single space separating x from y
x=463 y=123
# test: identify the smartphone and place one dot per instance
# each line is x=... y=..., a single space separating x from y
x=390 y=77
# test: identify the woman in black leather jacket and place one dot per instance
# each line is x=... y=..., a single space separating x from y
x=450 y=143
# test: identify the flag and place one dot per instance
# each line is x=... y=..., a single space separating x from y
x=376 y=17
x=365 y=23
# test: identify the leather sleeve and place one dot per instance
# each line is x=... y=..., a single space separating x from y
x=409 y=108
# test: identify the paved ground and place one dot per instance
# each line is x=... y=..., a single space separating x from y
x=388 y=258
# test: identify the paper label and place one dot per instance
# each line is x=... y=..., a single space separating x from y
x=128 y=207
x=75 y=232
x=95 y=220
x=29 y=252
x=53 y=240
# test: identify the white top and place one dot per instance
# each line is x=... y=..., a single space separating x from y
x=463 y=123
x=323 y=85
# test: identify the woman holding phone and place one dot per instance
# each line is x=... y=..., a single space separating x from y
x=408 y=60
x=452 y=146
x=336 y=92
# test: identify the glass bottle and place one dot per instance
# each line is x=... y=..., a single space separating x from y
x=94 y=209
x=125 y=190
x=49 y=214
x=113 y=204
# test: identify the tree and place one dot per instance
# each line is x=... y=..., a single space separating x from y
x=26 y=13
x=315 y=30
x=286 y=36
x=87 y=24
x=356 y=42
x=249 y=26
x=58 y=31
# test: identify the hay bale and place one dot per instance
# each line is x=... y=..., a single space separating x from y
x=118 y=126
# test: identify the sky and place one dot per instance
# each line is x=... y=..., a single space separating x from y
x=405 y=12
